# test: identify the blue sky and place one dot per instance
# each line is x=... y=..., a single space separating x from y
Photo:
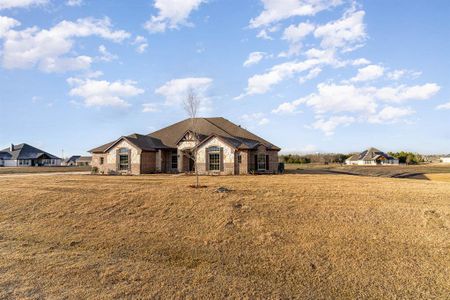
x=308 y=75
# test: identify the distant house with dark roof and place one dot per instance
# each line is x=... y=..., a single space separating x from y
x=372 y=156
x=84 y=161
x=24 y=155
x=77 y=160
x=71 y=161
x=222 y=147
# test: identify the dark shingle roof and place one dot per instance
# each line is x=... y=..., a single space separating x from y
x=25 y=151
x=211 y=126
x=143 y=142
x=370 y=154
x=72 y=159
x=167 y=138
x=5 y=155
x=84 y=159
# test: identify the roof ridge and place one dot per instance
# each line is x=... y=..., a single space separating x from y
x=219 y=127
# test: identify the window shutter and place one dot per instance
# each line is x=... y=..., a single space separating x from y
x=221 y=160
x=129 y=160
x=267 y=162
x=256 y=162
x=206 y=160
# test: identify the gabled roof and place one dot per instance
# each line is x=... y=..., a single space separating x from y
x=25 y=151
x=370 y=154
x=5 y=155
x=73 y=159
x=84 y=159
x=206 y=127
x=143 y=142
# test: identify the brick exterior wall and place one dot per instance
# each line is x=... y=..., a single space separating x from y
x=148 y=162
x=161 y=161
x=228 y=157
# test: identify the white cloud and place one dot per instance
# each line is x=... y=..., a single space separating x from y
x=278 y=10
x=149 y=107
x=6 y=24
x=360 y=62
x=265 y=33
x=288 y=107
x=346 y=33
x=176 y=90
x=396 y=74
x=311 y=75
x=172 y=14
x=104 y=93
x=7 y=4
x=141 y=44
x=74 y=2
x=399 y=74
x=368 y=73
x=49 y=49
x=105 y=54
x=445 y=106
x=255 y=118
x=349 y=98
x=262 y=83
x=254 y=58
x=404 y=93
x=340 y=98
x=295 y=34
x=390 y=114
x=360 y=103
x=329 y=126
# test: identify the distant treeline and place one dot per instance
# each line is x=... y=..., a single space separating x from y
x=321 y=158
x=409 y=158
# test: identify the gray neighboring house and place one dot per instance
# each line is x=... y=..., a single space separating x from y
x=24 y=155
x=77 y=160
x=84 y=161
x=71 y=161
x=372 y=157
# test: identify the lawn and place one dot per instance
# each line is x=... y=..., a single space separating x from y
x=285 y=236
x=26 y=170
x=399 y=171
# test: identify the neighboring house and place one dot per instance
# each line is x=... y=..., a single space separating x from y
x=84 y=161
x=445 y=159
x=78 y=160
x=222 y=148
x=71 y=161
x=4 y=156
x=372 y=156
x=24 y=155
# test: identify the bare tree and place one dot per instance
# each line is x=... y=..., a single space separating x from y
x=191 y=106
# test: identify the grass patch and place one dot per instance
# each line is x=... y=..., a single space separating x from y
x=287 y=236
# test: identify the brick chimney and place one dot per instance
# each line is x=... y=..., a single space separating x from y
x=11 y=148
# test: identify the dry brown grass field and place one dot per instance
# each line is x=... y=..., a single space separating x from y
x=32 y=170
x=396 y=171
x=286 y=236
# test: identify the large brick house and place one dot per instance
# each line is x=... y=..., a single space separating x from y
x=221 y=147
